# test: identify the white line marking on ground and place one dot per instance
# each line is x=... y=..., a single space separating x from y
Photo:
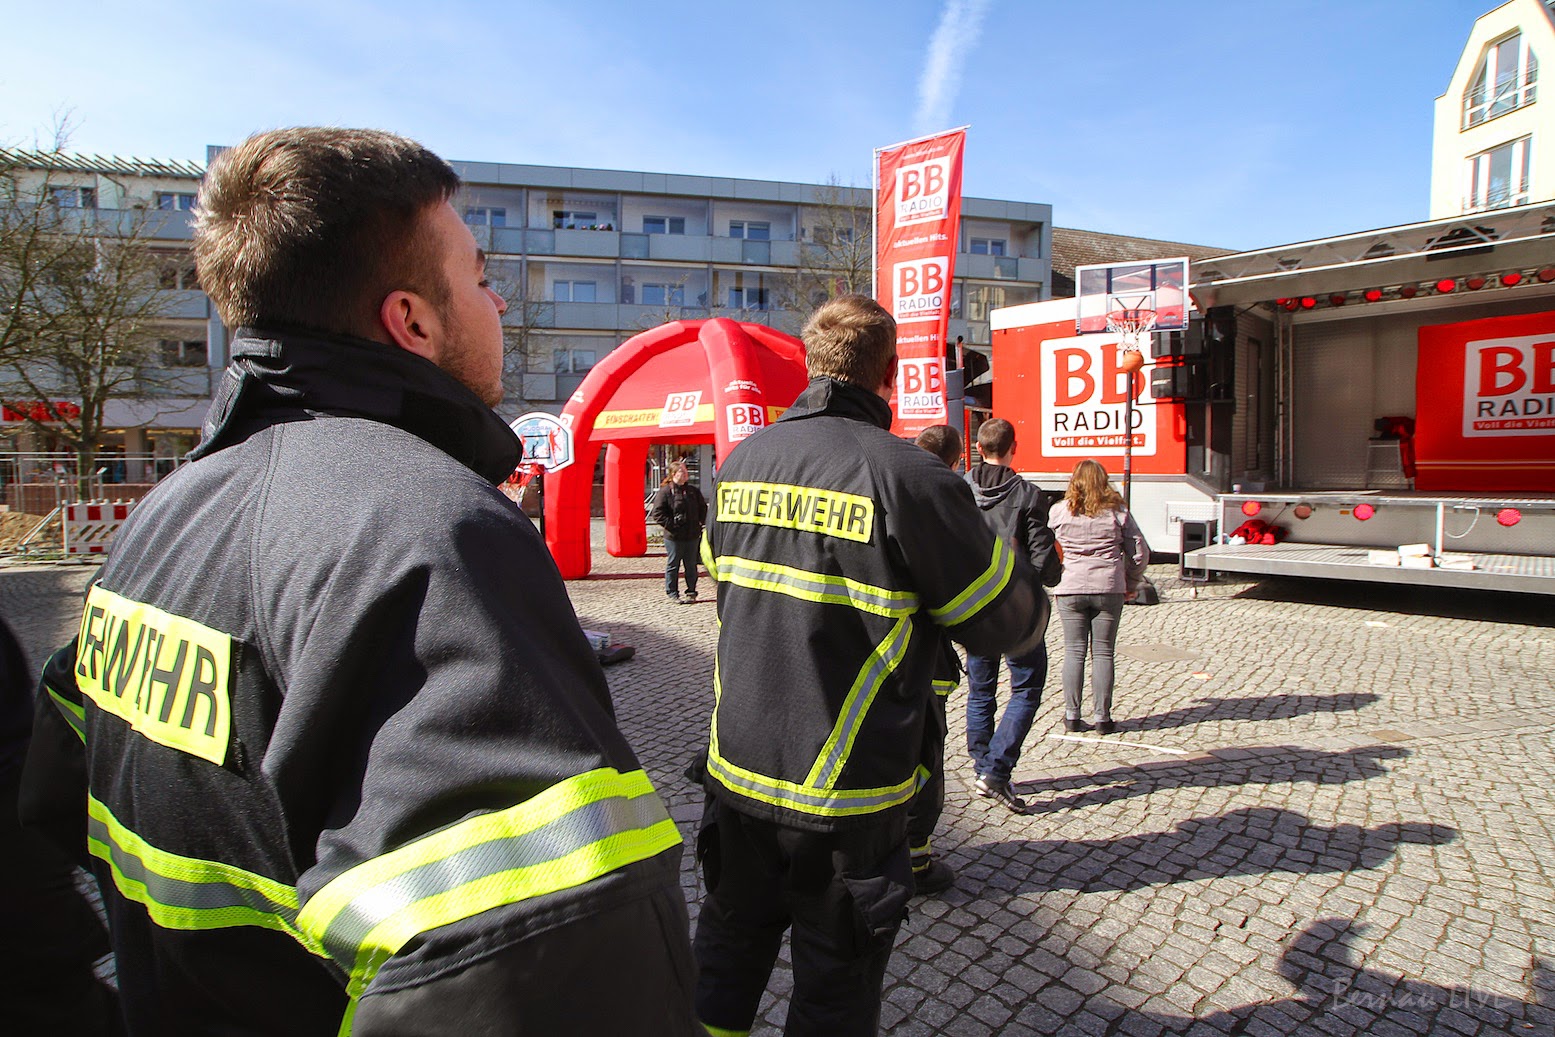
x=1119 y=741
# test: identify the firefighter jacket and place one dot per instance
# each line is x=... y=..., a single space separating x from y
x=841 y=552
x=337 y=748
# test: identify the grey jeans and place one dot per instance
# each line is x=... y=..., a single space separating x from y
x=1090 y=621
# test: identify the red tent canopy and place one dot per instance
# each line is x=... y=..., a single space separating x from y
x=699 y=381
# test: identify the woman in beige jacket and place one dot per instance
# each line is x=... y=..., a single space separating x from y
x=1104 y=562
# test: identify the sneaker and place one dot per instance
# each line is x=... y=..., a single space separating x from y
x=690 y=598
x=673 y=599
x=935 y=877
x=1076 y=726
x=992 y=788
x=1105 y=727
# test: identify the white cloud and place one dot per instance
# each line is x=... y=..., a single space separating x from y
x=954 y=37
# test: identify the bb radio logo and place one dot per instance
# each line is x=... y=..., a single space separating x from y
x=920 y=388
x=680 y=409
x=1509 y=387
x=922 y=288
x=923 y=191
x=745 y=419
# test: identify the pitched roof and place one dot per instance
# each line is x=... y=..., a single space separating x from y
x=1072 y=248
x=112 y=165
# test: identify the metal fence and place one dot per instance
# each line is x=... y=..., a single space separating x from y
x=38 y=483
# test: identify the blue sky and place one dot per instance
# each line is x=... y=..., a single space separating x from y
x=1240 y=123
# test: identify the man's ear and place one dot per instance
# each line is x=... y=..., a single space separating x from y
x=888 y=386
x=411 y=323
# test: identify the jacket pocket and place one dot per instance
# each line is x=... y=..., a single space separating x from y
x=880 y=902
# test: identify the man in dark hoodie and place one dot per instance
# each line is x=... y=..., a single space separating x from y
x=1017 y=511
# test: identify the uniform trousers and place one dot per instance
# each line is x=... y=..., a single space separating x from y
x=845 y=896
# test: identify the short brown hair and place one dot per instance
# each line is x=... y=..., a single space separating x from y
x=995 y=436
x=853 y=338
x=311 y=227
x=943 y=441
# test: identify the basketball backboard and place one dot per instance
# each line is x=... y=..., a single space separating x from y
x=1158 y=284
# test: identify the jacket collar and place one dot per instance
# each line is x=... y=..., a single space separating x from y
x=832 y=397
x=290 y=376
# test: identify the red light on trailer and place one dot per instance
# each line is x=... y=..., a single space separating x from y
x=1475 y=283
x=1446 y=285
x=1251 y=508
x=1302 y=511
x=1336 y=299
x=1407 y=291
x=1511 y=279
x=1363 y=511
x=1290 y=304
x=1509 y=516
x=1307 y=302
x=1281 y=302
x=1373 y=295
x=1546 y=275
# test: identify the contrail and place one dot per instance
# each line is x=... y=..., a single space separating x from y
x=958 y=30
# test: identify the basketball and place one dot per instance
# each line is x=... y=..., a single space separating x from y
x=1130 y=361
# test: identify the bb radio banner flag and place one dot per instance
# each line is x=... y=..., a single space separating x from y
x=917 y=213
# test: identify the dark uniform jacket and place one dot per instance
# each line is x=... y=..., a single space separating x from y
x=840 y=552
x=680 y=510
x=334 y=741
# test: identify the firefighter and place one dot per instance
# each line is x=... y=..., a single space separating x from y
x=840 y=553
x=330 y=735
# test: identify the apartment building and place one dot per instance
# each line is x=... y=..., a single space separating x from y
x=1494 y=140
x=586 y=258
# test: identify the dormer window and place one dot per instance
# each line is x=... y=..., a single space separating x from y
x=1506 y=79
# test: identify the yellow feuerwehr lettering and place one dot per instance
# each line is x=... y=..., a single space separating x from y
x=166 y=676
x=847 y=516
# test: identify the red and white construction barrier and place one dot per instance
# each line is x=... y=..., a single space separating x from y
x=90 y=525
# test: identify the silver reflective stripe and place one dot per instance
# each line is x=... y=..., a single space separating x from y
x=575 y=830
x=811 y=802
x=880 y=664
x=982 y=590
x=818 y=587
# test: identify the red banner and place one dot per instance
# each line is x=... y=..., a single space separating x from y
x=917 y=214
x=38 y=410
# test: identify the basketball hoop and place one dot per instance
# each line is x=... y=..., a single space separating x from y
x=1132 y=324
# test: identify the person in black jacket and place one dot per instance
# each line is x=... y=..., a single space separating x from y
x=330 y=735
x=841 y=553
x=680 y=509
x=1017 y=512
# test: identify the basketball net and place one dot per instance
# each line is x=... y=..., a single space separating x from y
x=1132 y=325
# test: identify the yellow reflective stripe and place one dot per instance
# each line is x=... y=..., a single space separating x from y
x=719 y=1031
x=573 y=832
x=813 y=586
x=981 y=591
x=75 y=715
x=181 y=892
x=708 y=561
x=823 y=802
x=943 y=688
x=882 y=661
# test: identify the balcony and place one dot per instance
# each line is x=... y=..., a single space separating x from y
x=184 y=304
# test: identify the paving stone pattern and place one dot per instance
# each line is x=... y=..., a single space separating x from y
x=1328 y=809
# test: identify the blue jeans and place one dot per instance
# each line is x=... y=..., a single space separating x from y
x=994 y=752
x=1090 y=621
x=682 y=554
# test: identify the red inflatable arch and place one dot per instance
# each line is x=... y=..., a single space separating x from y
x=695 y=381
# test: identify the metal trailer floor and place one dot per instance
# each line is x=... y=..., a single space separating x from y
x=1530 y=574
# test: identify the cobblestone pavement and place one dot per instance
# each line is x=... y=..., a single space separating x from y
x=1328 y=809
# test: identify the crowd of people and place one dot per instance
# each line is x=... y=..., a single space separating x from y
x=337 y=770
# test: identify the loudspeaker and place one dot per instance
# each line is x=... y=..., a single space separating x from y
x=1177 y=382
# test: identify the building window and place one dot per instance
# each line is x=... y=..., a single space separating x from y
x=177 y=353
x=572 y=361
x=73 y=197
x=750 y=230
x=1498 y=178
x=1507 y=79
x=664 y=225
x=575 y=291
x=987 y=246
x=576 y=219
x=181 y=201
x=980 y=299
x=664 y=295
x=747 y=298
x=175 y=270
x=485 y=216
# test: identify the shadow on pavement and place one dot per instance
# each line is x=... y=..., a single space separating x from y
x=1265 y=766
x=1255 y=841
x=1446 y=602
x=1271 y=707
